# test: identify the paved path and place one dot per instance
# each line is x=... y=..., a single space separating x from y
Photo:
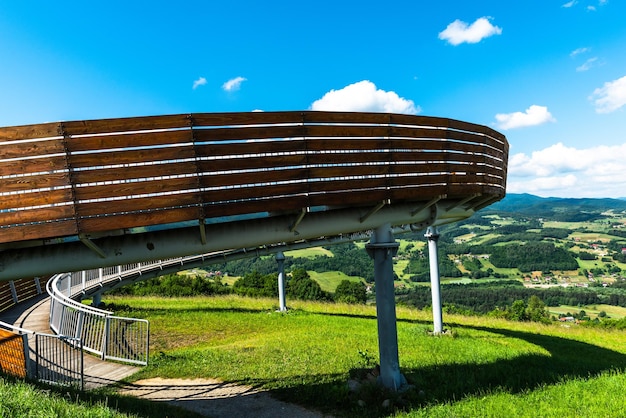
x=34 y=315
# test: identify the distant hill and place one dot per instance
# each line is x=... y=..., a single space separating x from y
x=556 y=208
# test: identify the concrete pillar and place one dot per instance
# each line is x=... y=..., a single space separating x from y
x=96 y=299
x=433 y=236
x=280 y=259
x=382 y=248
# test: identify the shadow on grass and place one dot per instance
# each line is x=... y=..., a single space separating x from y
x=567 y=359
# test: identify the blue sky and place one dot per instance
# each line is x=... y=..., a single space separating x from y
x=550 y=75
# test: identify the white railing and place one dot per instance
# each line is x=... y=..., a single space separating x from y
x=101 y=333
x=55 y=359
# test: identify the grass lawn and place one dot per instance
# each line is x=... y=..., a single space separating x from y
x=329 y=280
x=309 y=252
x=485 y=367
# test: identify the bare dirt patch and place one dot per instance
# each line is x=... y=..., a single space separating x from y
x=213 y=398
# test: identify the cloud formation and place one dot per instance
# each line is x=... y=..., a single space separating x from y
x=459 y=32
x=587 y=64
x=534 y=115
x=610 y=97
x=561 y=171
x=363 y=96
x=199 y=82
x=233 y=84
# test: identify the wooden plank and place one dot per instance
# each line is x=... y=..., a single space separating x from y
x=141 y=219
x=347 y=131
x=208 y=166
x=415 y=132
x=248 y=133
x=417 y=193
x=109 y=191
x=15 y=184
x=37 y=215
x=251 y=148
x=349 y=157
x=25 y=200
x=251 y=193
x=102 y=126
x=130 y=157
x=255 y=177
x=347 y=185
x=347 y=171
x=20 y=150
x=281 y=204
x=343 y=144
x=158 y=138
x=152 y=204
x=416 y=120
x=136 y=172
x=245 y=118
x=349 y=198
x=38 y=231
x=42 y=130
x=34 y=165
x=346 y=117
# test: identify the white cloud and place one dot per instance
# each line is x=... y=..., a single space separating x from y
x=363 y=96
x=534 y=115
x=570 y=4
x=199 y=82
x=591 y=8
x=563 y=171
x=587 y=65
x=233 y=84
x=579 y=51
x=458 y=31
x=610 y=97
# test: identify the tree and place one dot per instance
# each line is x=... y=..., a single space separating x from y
x=536 y=310
x=351 y=292
x=301 y=286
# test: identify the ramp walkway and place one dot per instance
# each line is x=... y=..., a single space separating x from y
x=34 y=315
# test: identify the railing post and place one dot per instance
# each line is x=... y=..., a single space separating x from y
x=107 y=328
x=382 y=248
x=280 y=259
x=13 y=291
x=83 y=277
x=433 y=236
x=38 y=285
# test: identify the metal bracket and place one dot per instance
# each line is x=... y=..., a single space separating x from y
x=427 y=205
x=294 y=225
x=462 y=202
x=374 y=210
x=92 y=245
x=202 y=231
x=428 y=222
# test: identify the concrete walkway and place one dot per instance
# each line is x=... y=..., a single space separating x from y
x=34 y=315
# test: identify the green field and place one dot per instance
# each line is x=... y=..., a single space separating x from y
x=329 y=280
x=486 y=367
x=309 y=252
x=615 y=312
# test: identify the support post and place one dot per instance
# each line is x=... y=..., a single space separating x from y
x=280 y=259
x=96 y=299
x=433 y=236
x=382 y=248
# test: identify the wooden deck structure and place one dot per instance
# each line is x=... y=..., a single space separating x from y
x=92 y=180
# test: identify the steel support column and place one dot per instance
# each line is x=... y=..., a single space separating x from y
x=280 y=259
x=433 y=236
x=382 y=248
x=96 y=299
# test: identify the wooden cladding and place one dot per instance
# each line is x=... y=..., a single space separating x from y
x=99 y=176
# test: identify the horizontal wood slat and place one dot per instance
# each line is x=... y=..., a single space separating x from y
x=103 y=175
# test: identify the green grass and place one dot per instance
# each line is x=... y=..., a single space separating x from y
x=485 y=367
x=329 y=280
x=309 y=252
x=614 y=312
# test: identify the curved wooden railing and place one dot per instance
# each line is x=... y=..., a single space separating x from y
x=97 y=177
